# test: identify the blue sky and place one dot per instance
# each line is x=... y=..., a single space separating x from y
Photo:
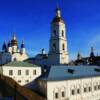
x=30 y=19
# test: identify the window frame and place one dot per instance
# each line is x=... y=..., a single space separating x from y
x=19 y=72
x=54 y=32
x=10 y=72
x=78 y=91
x=19 y=81
x=62 y=33
x=27 y=72
x=63 y=94
x=56 y=95
x=54 y=46
x=73 y=91
x=85 y=89
x=34 y=72
x=89 y=88
x=27 y=81
x=63 y=46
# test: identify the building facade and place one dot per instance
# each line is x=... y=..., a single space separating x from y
x=70 y=83
x=22 y=72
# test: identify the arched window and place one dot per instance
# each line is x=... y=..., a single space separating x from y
x=95 y=86
x=62 y=92
x=62 y=33
x=56 y=93
x=63 y=46
x=15 y=59
x=54 y=46
x=54 y=32
x=73 y=90
x=85 y=88
x=78 y=91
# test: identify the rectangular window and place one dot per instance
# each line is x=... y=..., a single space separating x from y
x=27 y=72
x=95 y=87
x=90 y=89
x=27 y=81
x=85 y=89
x=34 y=72
x=56 y=95
x=19 y=81
x=63 y=94
x=78 y=91
x=99 y=87
x=73 y=92
x=10 y=72
x=19 y=72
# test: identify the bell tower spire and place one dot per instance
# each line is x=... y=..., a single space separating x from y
x=14 y=36
x=14 y=40
x=58 y=53
x=58 y=13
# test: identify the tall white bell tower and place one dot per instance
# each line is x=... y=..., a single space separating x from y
x=58 y=53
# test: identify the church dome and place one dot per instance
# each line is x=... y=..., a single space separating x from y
x=22 y=45
x=4 y=47
x=57 y=18
x=9 y=44
x=14 y=41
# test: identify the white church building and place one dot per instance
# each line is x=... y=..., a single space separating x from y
x=11 y=52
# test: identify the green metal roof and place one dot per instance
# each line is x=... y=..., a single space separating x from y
x=20 y=64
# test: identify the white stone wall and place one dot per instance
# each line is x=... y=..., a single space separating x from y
x=23 y=77
x=14 y=49
x=75 y=84
x=8 y=57
x=19 y=57
x=10 y=50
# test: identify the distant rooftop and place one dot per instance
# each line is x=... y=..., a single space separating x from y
x=57 y=73
x=20 y=64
